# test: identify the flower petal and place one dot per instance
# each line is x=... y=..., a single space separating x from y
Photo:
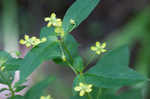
x=82 y=93
x=28 y=44
x=77 y=88
x=103 y=45
x=47 y=19
x=98 y=44
x=90 y=85
x=93 y=48
x=22 y=42
x=53 y=16
x=26 y=37
x=98 y=52
x=88 y=90
x=81 y=84
x=49 y=24
x=103 y=50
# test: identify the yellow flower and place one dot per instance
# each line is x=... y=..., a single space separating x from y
x=72 y=21
x=83 y=88
x=53 y=21
x=99 y=48
x=46 y=97
x=33 y=41
x=59 y=31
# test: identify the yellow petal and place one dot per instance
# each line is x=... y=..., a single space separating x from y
x=82 y=93
x=53 y=15
x=90 y=85
x=22 y=42
x=26 y=37
x=88 y=90
x=47 y=19
x=103 y=50
x=42 y=97
x=33 y=38
x=28 y=44
x=58 y=20
x=36 y=42
x=77 y=88
x=103 y=45
x=98 y=52
x=98 y=44
x=93 y=48
x=59 y=24
x=49 y=24
x=81 y=84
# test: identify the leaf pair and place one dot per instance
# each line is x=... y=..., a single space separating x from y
x=111 y=71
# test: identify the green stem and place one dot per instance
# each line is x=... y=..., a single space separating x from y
x=62 y=50
x=67 y=51
x=72 y=27
x=12 y=91
x=99 y=93
x=72 y=68
x=9 y=85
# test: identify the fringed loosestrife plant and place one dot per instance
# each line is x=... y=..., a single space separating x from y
x=99 y=48
x=109 y=72
x=46 y=97
x=83 y=88
x=33 y=41
x=53 y=21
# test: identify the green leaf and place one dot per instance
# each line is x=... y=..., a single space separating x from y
x=112 y=71
x=19 y=88
x=69 y=45
x=12 y=64
x=3 y=89
x=118 y=56
x=37 y=90
x=4 y=56
x=39 y=54
x=48 y=33
x=79 y=11
x=78 y=63
x=128 y=94
x=7 y=77
x=17 y=97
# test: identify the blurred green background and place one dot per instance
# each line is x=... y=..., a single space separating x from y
x=117 y=22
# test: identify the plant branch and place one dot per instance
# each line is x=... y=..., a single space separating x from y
x=70 y=64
